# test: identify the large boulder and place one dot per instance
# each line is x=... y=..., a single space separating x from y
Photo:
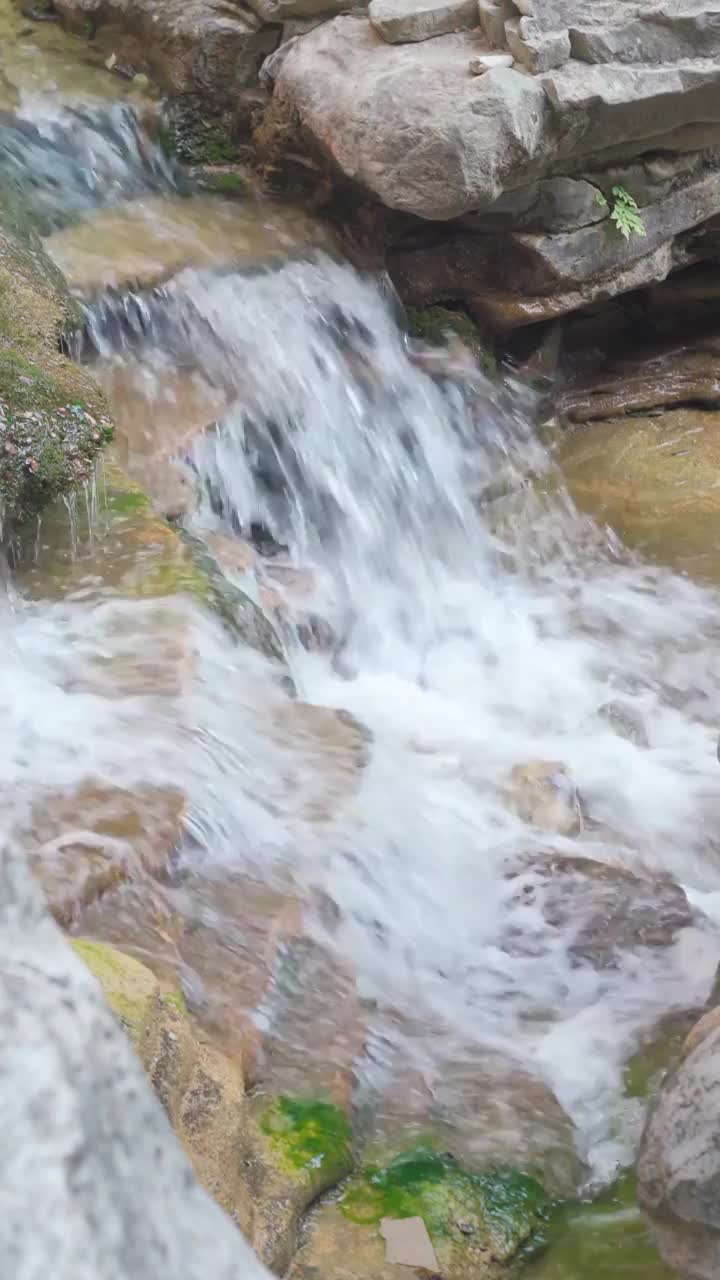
x=525 y=161
x=679 y=1163
x=82 y=1135
x=412 y=125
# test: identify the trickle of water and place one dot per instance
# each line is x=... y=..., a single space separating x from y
x=473 y=633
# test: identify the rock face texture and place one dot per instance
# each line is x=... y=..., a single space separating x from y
x=194 y=47
x=679 y=1163
x=82 y=1134
x=516 y=122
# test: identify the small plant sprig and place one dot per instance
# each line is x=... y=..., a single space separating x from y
x=624 y=212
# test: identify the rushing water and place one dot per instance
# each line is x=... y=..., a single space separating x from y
x=472 y=632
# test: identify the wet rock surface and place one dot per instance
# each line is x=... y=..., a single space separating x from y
x=132 y=1195
x=606 y=910
x=653 y=479
x=678 y=1162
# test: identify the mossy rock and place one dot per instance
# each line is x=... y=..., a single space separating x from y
x=659 y=1053
x=436 y=325
x=200 y=1088
x=53 y=417
x=129 y=987
x=602 y=1240
x=292 y=1150
x=474 y=1219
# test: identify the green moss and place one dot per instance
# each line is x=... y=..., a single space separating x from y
x=129 y=988
x=176 y=1000
x=224 y=183
x=435 y=325
x=218 y=150
x=603 y=1240
x=644 y=1072
x=175 y=575
x=24 y=386
x=127 y=501
x=308 y=1134
x=507 y=1207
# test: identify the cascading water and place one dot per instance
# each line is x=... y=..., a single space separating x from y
x=473 y=632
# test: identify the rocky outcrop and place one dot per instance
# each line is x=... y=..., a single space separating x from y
x=522 y=160
x=83 y=1137
x=679 y=1163
x=515 y=123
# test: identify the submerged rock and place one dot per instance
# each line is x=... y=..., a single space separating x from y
x=654 y=480
x=477 y=1222
x=603 y=911
x=625 y=721
x=291 y=1150
x=542 y=794
x=87 y=840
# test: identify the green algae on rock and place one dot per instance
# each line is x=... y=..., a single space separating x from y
x=436 y=325
x=308 y=1133
x=52 y=415
x=291 y=1150
x=604 y=1240
x=498 y=1212
x=129 y=988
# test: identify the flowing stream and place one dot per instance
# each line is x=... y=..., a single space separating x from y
x=475 y=621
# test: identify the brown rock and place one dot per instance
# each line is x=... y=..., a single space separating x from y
x=88 y=840
x=543 y=795
x=199 y=47
x=290 y=1154
x=604 y=910
x=654 y=480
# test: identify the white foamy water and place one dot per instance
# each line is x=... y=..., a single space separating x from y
x=472 y=636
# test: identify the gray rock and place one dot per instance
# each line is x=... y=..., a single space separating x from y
x=626 y=722
x=93 y=1183
x=678 y=1169
x=409 y=124
x=493 y=16
x=405 y=21
x=657 y=34
x=536 y=49
x=555 y=204
x=597 y=107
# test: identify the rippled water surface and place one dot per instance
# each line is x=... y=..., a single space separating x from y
x=461 y=634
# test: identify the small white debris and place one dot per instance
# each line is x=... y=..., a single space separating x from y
x=486 y=61
x=111 y=61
